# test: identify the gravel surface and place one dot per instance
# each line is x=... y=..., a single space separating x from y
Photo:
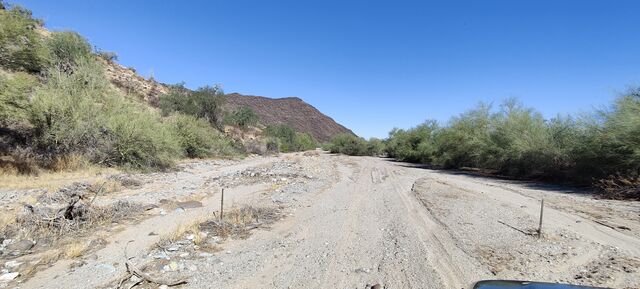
x=357 y=222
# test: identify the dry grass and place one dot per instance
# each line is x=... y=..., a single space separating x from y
x=193 y=227
x=69 y=163
x=46 y=223
x=75 y=250
x=51 y=180
x=619 y=187
x=239 y=221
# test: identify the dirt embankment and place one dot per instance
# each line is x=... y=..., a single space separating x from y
x=316 y=220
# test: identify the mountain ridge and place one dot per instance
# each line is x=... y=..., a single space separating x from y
x=292 y=111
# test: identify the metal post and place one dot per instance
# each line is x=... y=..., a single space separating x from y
x=222 y=205
x=541 y=214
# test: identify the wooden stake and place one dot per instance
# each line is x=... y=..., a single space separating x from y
x=541 y=214
x=222 y=205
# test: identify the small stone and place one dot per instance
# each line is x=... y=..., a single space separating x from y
x=163 y=287
x=189 y=204
x=135 y=279
x=20 y=246
x=8 y=276
x=160 y=255
x=205 y=255
x=191 y=237
x=173 y=266
x=173 y=248
x=12 y=264
x=107 y=267
x=184 y=255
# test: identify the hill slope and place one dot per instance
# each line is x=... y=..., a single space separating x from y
x=291 y=111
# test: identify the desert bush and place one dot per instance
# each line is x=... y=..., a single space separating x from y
x=21 y=47
x=375 y=147
x=80 y=113
x=348 y=144
x=198 y=138
x=602 y=148
x=15 y=91
x=108 y=56
x=288 y=140
x=413 y=145
x=136 y=137
x=205 y=102
x=304 y=142
x=242 y=117
x=68 y=112
x=519 y=142
x=67 y=48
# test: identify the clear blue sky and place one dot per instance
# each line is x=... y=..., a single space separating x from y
x=374 y=65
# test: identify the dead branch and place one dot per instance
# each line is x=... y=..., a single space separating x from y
x=519 y=230
x=132 y=270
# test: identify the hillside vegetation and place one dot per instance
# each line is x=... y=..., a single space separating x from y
x=600 y=149
x=59 y=111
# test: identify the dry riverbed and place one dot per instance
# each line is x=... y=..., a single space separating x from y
x=312 y=220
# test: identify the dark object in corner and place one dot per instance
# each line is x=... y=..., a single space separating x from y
x=505 y=284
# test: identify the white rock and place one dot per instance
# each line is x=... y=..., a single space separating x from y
x=8 y=276
x=12 y=264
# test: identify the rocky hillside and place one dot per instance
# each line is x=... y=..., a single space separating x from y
x=291 y=111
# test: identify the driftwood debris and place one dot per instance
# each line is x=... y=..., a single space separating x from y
x=132 y=270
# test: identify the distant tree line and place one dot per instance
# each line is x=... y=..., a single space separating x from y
x=600 y=149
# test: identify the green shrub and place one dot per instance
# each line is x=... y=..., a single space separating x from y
x=413 y=145
x=304 y=142
x=603 y=147
x=21 y=47
x=375 y=147
x=136 y=137
x=348 y=144
x=198 y=139
x=15 y=91
x=68 y=112
x=519 y=143
x=81 y=114
x=67 y=48
x=205 y=102
x=243 y=117
x=289 y=140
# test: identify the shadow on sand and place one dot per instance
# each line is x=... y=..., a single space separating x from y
x=479 y=175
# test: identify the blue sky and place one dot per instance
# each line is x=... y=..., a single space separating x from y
x=375 y=65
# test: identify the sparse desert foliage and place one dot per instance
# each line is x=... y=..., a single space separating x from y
x=21 y=48
x=198 y=139
x=288 y=140
x=205 y=102
x=514 y=140
x=70 y=110
x=243 y=117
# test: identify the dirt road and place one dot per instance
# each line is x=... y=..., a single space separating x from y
x=354 y=221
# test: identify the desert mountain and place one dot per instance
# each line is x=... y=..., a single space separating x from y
x=291 y=111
